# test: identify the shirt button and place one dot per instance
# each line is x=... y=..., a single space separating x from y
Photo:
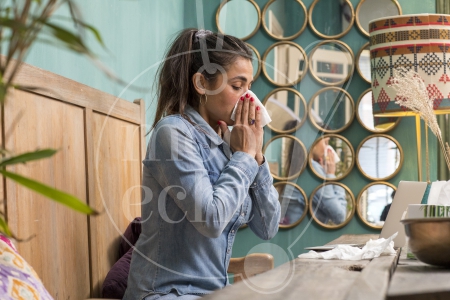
x=232 y=231
x=242 y=214
x=228 y=251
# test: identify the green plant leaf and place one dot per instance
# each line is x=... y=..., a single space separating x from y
x=29 y=156
x=68 y=38
x=54 y=194
x=4 y=227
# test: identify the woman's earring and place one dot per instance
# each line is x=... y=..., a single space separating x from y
x=206 y=99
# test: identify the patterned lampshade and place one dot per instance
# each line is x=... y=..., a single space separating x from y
x=419 y=42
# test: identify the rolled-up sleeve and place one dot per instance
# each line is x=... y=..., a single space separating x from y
x=176 y=157
x=266 y=210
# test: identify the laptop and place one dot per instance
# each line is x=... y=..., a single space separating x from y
x=408 y=192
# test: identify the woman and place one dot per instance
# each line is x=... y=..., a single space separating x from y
x=198 y=190
x=329 y=203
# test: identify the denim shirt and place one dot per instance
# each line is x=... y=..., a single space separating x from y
x=196 y=195
x=330 y=199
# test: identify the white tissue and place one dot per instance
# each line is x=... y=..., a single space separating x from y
x=335 y=155
x=435 y=190
x=371 y=250
x=444 y=195
x=265 y=118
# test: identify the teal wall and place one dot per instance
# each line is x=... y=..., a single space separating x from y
x=136 y=34
x=287 y=244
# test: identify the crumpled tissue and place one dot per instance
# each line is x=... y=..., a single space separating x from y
x=265 y=118
x=372 y=249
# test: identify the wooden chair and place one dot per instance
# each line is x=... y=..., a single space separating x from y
x=250 y=265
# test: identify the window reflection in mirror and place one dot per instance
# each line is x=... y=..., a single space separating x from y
x=379 y=157
x=368 y=10
x=256 y=61
x=331 y=62
x=284 y=19
x=294 y=205
x=239 y=18
x=365 y=116
x=363 y=63
x=374 y=202
x=287 y=108
x=286 y=157
x=285 y=64
x=331 y=109
x=331 y=18
x=331 y=157
x=332 y=205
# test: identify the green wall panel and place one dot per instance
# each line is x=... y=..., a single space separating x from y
x=287 y=244
x=136 y=35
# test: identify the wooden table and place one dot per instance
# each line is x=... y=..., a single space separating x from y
x=386 y=277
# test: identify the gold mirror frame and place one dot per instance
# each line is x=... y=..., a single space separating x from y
x=358 y=117
x=311 y=102
x=358 y=201
x=347 y=220
x=352 y=60
x=358 y=8
x=314 y=29
x=258 y=57
x=302 y=101
x=358 y=69
x=399 y=165
x=264 y=68
x=350 y=168
x=305 y=211
x=303 y=148
x=266 y=7
x=255 y=30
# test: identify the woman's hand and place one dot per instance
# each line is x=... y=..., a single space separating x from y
x=246 y=137
x=329 y=164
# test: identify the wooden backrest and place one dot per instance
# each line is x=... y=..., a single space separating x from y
x=250 y=265
x=100 y=142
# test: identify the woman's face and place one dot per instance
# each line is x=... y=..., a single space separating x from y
x=226 y=91
x=320 y=148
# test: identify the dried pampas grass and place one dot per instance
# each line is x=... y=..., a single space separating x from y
x=412 y=93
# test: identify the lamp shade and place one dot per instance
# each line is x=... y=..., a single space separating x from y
x=413 y=42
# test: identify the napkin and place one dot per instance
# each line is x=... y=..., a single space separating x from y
x=372 y=249
x=435 y=191
x=334 y=155
x=265 y=118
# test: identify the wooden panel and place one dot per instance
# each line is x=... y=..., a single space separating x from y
x=59 y=250
x=61 y=88
x=117 y=169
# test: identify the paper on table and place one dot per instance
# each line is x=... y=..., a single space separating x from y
x=371 y=250
x=265 y=118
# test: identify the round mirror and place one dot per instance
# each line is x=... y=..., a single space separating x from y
x=331 y=109
x=331 y=62
x=331 y=157
x=284 y=19
x=286 y=156
x=379 y=157
x=293 y=202
x=374 y=202
x=332 y=205
x=239 y=18
x=368 y=10
x=364 y=114
x=363 y=63
x=287 y=108
x=331 y=19
x=285 y=63
x=256 y=62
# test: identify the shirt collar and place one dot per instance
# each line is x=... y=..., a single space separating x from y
x=201 y=125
